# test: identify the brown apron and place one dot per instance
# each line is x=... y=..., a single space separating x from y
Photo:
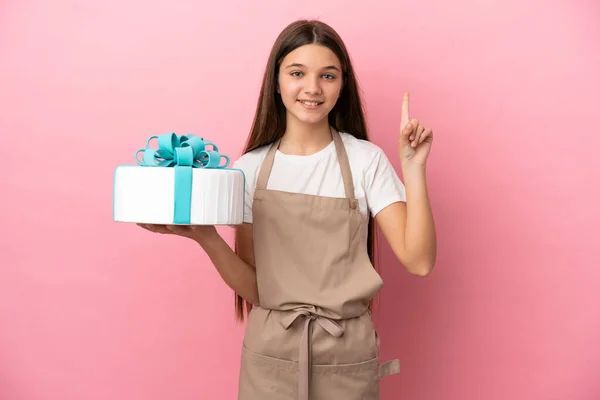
x=312 y=336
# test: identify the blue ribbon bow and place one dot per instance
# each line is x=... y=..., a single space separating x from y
x=183 y=152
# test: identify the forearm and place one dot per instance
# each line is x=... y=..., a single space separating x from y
x=237 y=274
x=420 y=237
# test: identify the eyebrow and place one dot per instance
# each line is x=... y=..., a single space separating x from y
x=301 y=65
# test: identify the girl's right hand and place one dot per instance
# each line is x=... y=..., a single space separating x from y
x=194 y=232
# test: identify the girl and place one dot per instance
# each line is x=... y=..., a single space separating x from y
x=303 y=269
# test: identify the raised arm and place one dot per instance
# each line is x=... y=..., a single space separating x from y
x=409 y=227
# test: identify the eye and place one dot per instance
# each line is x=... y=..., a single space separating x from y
x=329 y=76
x=296 y=73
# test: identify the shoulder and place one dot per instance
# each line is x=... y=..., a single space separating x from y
x=250 y=164
x=362 y=152
x=252 y=159
x=369 y=161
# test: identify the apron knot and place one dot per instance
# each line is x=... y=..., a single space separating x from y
x=304 y=361
x=332 y=327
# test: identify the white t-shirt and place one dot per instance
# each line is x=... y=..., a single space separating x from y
x=376 y=184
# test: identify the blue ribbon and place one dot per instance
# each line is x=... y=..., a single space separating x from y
x=183 y=152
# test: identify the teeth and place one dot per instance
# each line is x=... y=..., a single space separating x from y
x=310 y=103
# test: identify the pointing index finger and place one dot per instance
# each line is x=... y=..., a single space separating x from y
x=405 y=116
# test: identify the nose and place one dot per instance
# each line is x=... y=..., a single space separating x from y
x=312 y=85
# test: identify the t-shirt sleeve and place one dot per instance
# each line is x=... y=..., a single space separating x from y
x=382 y=184
x=249 y=174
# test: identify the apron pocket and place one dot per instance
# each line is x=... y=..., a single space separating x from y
x=356 y=381
x=266 y=378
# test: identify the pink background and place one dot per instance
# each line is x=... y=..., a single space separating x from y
x=94 y=310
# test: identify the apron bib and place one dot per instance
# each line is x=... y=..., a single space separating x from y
x=312 y=336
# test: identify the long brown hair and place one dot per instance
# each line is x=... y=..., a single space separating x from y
x=269 y=123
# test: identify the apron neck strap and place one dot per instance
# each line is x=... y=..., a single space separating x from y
x=342 y=156
x=267 y=166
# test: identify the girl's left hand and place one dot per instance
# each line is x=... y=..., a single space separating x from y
x=194 y=232
x=415 y=140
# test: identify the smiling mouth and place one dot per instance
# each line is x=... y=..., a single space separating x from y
x=310 y=103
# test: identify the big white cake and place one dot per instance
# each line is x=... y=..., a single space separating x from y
x=182 y=182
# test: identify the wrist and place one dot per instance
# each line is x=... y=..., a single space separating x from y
x=206 y=235
x=414 y=177
x=409 y=167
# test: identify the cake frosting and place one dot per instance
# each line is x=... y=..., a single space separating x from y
x=184 y=182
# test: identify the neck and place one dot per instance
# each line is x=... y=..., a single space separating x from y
x=305 y=139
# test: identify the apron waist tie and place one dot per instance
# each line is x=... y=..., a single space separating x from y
x=304 y=358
